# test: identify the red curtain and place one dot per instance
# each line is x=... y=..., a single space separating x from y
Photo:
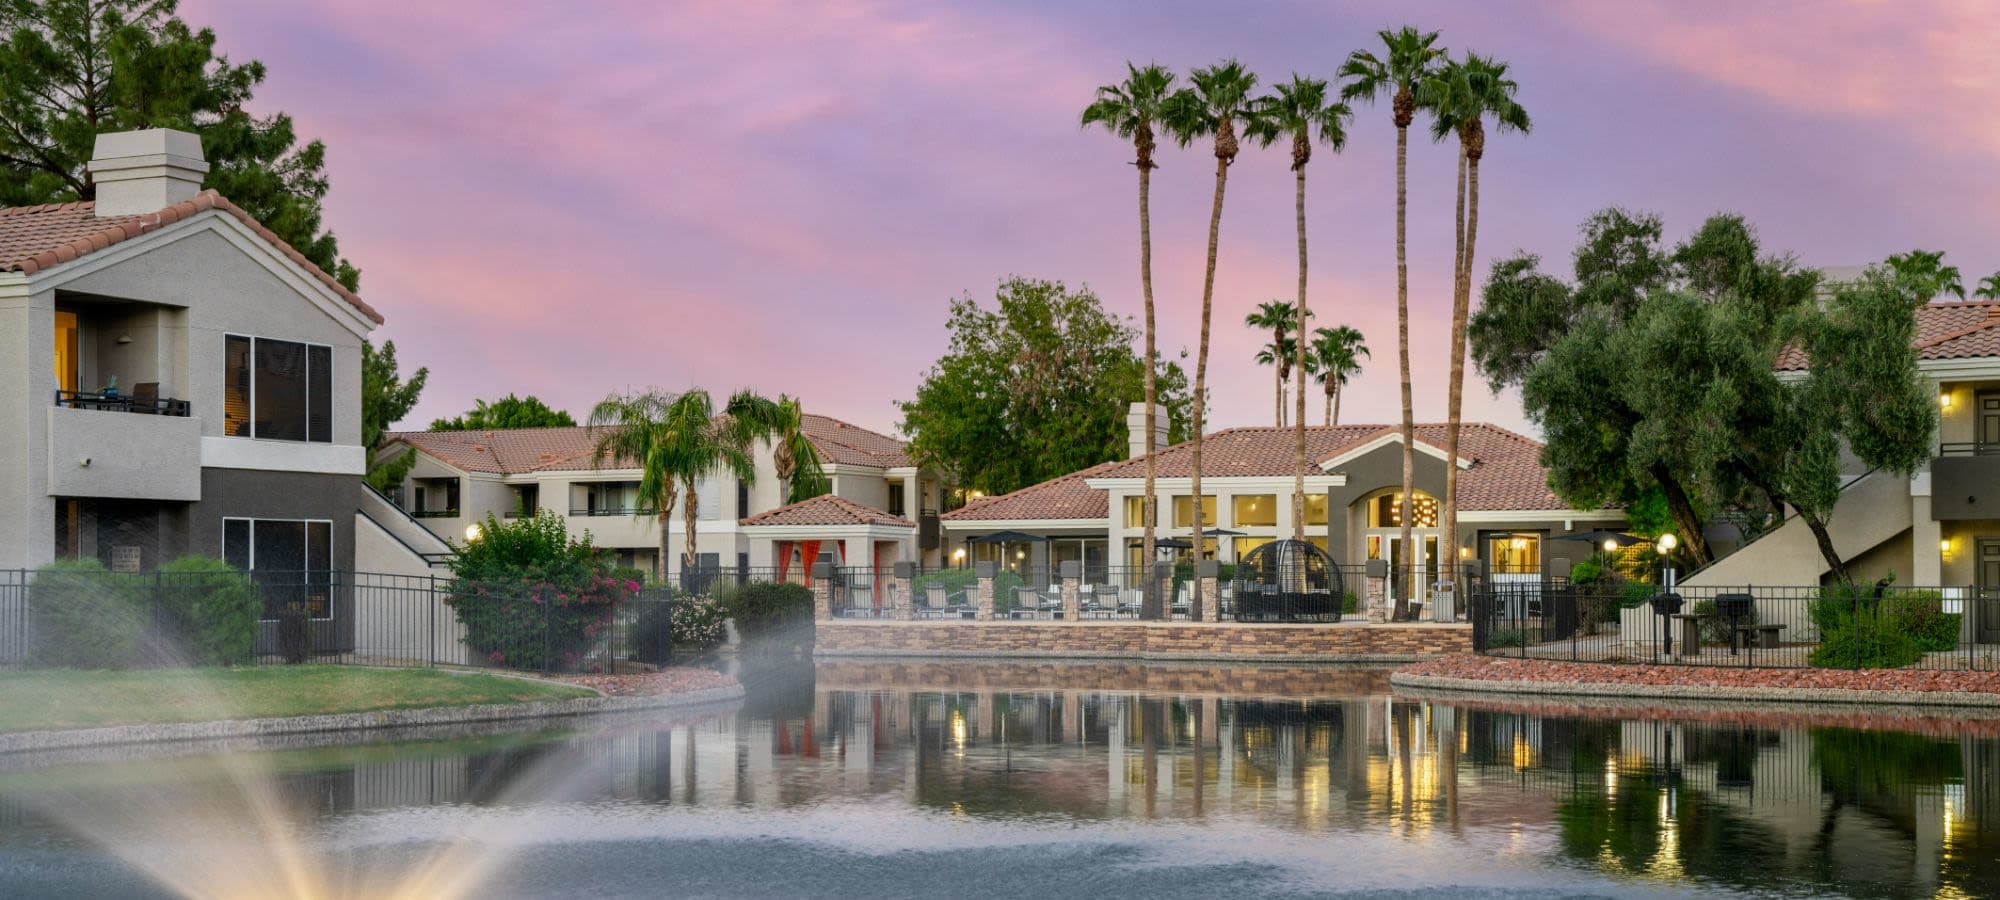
x=784 y=560
x=808 y=556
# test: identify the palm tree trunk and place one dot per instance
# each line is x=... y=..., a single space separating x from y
x=1277 y=390
x=1328 y=415
x=1461 y=300
x=1398 y=610
x=1201 y=369
x=1333 y=413
x=689 y=508
x=1152 y=502
x=660 y=562
x=1299 y=365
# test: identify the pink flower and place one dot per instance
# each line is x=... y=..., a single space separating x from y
x=632 y=586
x=497 y=658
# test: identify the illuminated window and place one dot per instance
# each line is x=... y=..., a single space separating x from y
x=1184 y=510
x=1315 y=509
x=1254 y=509
x=1514 y=552
x=1135 y=511
x=1246 y=544
x=65 y=351
x=1385 y=512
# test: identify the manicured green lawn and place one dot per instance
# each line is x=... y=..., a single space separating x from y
x=62 y=698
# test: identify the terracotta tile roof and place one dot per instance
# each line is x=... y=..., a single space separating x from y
x=34 y=238
x=519 y=451
x=852 y=445
x=1506 y=471
x=827 y=509
x=1962 y=330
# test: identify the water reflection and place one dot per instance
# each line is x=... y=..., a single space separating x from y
x=1668 y=800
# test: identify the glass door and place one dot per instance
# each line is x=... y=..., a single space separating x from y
x=66 y=362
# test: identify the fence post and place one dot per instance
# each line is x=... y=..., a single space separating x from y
x=1376 y=576
x=1207 y=605
x=906 y=588
x=1072 y=590
x=822 y=577
x=983 y=574
x=432 y=652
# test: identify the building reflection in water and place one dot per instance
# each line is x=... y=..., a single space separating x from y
x=1727 y=802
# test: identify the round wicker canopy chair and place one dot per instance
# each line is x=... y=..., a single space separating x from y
x=1288 y=581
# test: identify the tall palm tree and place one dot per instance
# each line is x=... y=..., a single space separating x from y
x=1989 y=287
x=1215 y=106
x=1408 y=58
x=683 y=438
x=792 y=453
x=1927 y=274
x=1336 y=358
x=1305 y=111
x=1280 y=354
x=1277 y=317
x=1129 y=109
x=1461 y=96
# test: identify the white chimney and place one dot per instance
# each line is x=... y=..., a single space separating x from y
x=145 y=171
x=1135 y=429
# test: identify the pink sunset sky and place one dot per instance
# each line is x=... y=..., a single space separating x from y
x=570 y=199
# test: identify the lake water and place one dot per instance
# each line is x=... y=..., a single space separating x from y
x=970 y=781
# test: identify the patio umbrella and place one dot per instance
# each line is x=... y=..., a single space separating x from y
x=1173 y=544
x=1222 y=532
x=1008 y=537
x=1597 y=538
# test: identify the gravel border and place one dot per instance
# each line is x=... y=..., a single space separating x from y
x=70 y=738
x=1314 y=659
x=1699 y=692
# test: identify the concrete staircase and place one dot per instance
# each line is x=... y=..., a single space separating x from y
x=1872 y=509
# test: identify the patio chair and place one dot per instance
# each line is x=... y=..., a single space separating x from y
x=938 y=602
x=146 y=397
x=1134 y=603
x=1183 y=597
x=1100 y=599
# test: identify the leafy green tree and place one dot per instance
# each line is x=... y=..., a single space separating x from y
x=385 y=399
x=1033 y=389
x=1408 y=60
x=1925 y=272
x=1216 y=106
x=1462 y=96
x=1305 y=111
x=1335 y=358
x=675 y=441
x=1129 y=110
x=507 y=412
x=73 y=69
x=1279 y=318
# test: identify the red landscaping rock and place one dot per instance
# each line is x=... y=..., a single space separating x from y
x=665 y=681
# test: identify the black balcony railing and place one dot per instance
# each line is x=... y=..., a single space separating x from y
x=143 y=402
x=613 y=511
x=435 y=514
x=1969 y=448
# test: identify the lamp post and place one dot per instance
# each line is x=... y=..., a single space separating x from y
x=1666 y=603
x=1665 y=547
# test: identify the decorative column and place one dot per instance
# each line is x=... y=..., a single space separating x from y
x=906 y=591
x=822 y=577
x=1160 y=580
x=983 y=574
x=1208 y=608
x=1072 y=590
x=1377 y=600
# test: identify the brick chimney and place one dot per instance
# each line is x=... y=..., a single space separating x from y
x=1135 y=429
x=145 y=171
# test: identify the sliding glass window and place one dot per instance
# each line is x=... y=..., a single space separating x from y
x=277 y=390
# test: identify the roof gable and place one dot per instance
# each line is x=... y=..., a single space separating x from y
x=826 y=510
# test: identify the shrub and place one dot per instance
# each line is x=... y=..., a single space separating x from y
x=959 y=583
x=210 y=610
x=1715 y=628
x=697 y=623
x=1634 y=594
x=1350 y=603
x=530 y=596
x=761 y=607
x=1506 y=637
x=1864 y=641
x=1586 y=572
x=82 y=615
x=1921 y=615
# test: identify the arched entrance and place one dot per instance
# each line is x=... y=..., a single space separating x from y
x=1382 y=532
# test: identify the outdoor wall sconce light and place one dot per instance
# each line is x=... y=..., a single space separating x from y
x=1944 y=547
x=1944 y=400
x=124 y=339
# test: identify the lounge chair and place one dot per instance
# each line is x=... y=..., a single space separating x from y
x=938 y=603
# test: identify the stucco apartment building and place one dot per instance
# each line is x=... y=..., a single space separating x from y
x=1509 y=519
x=882 y=508
x=174 y=379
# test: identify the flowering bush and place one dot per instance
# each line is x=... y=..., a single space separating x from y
x=698 y=622
x=531 y=597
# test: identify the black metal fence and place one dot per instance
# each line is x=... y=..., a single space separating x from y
x=1103 y=592
x=97 y=619
x=1831 y=626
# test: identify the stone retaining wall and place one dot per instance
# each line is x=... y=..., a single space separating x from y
x=1141 y=640
x=1266 y=679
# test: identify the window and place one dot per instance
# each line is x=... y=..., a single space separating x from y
x=708 y=499
x=1385 y=511
x=1252 y=510
x=1246 y=544
x=1315 y=509
x=742 y=500
x=1514 y=554
x=290 y=559
x=1184 y=510
x=66 y=358
x=896 y=504
x=277 y=390
x=1135 y=511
